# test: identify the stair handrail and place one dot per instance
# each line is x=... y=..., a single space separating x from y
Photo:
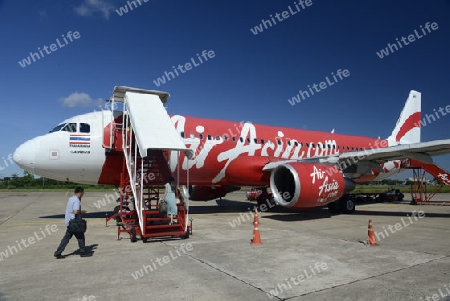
x=131 y=164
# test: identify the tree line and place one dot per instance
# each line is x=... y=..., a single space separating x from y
x=28 y=181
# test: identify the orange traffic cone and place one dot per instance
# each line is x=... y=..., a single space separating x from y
x=255 y=217
x=256 y=238
x=372 y=241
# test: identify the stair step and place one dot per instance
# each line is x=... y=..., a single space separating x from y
x=160 y=234
x=151 y=227
x=155 y=219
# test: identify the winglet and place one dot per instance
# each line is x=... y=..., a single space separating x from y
x=407 y=129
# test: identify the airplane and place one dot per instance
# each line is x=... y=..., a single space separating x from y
x=304 y=169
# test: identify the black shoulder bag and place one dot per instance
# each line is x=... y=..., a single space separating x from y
x=77 y=225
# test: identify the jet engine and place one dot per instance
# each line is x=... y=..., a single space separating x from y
x=306 y=185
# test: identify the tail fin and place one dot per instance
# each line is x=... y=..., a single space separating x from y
x=407 y=129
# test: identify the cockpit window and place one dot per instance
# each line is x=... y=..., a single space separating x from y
x=57 y=128
x=85 y=128
x=70 y=127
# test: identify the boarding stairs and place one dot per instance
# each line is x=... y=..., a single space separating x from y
x=147 y=138
x=419 y=192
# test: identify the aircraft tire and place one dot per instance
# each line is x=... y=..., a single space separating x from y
x=347 y=204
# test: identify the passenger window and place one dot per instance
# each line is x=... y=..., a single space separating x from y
x=248 y=140
x=234 y=138
x=182 y=134
x=209 y=137
x=85 y=128
x=70 y=127
x=279 y=142
x=289 y=142
x=296 y=143
x=217 y=137
x=241 y=139
x=256 y=141
x=262 y=141
x=225 y=137
x=200 y=136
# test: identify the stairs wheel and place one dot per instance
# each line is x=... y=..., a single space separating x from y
x=133 y=235
x=186 y=236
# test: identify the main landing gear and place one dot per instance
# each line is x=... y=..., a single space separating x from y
x=266 y=200
x=345 y=204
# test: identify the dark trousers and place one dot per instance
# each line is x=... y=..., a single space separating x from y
x=66 y=239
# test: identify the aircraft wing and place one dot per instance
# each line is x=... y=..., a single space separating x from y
x=422 y=152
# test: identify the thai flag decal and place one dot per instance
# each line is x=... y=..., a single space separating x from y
x=80 y=139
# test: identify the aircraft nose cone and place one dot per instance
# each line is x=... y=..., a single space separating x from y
x=25 y=156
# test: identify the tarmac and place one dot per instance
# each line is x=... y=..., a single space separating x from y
x=310 y=255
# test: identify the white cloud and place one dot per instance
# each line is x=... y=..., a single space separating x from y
x=90 y=7
x=79 y=100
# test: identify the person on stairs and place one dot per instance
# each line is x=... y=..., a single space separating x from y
x=169 y=198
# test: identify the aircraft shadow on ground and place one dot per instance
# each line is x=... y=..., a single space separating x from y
x=305 y=215
x=230 y=206
x=402 y=213
x=102 y=214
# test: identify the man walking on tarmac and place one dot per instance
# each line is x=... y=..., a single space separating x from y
x=73 y=210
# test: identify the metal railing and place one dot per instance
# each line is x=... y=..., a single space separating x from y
x=133 y=163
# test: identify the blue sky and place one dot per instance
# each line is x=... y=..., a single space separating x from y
x=251 y=77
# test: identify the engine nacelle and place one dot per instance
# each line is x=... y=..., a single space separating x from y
x=206 y=193
x=306 y=185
